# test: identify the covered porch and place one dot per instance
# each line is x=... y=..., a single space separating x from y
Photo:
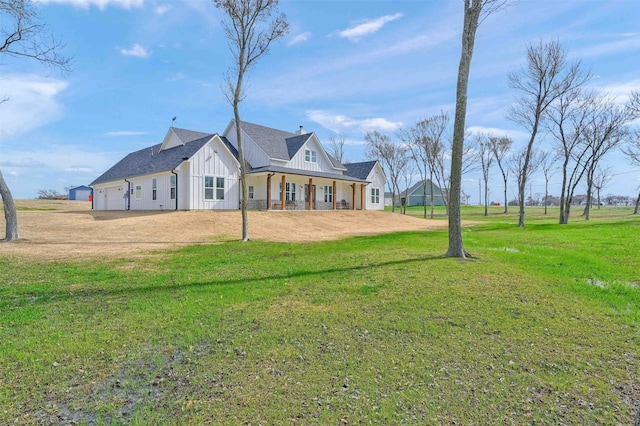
x=279 y=188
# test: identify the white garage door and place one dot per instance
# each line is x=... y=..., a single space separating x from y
x=114 y=198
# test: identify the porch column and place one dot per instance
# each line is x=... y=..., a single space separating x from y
x=310 y=192
x=283 y=194
x=353 y=196
x=362 y=204
x=269 y=191
x=334 y=195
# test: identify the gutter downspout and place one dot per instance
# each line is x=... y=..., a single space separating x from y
x=176 y=175
x=128 y=194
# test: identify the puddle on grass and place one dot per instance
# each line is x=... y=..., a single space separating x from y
x=507 y=249
x=603 y=284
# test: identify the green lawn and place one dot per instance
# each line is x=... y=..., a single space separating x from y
x=541 y=328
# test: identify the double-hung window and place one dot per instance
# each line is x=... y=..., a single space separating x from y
x=328 y=194
x=250 y=190
x=154 y=189
x=310 y=156
x=173 y=187
x=290 y=191
x=210 y=190
x=375 y=195
x=208 y=187
x=220 y=188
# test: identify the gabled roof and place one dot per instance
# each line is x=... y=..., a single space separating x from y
x=189 y=135
x=418 y=185
x=360 y=170
x=152 y=160
x=281 y=145
x=272 y=141
x=295 y=143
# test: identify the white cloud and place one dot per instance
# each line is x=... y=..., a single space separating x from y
x=621 y=91
x=80 y=169
x=162 y=9
x=32 y=103
x=137 y=51
x=496 y=131
x=100 y=4
x=119 y=133
x=27 y=163
x=368 y=27
x=337 y=122
x=302 y=37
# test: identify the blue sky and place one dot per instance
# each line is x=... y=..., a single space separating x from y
x=345 y=66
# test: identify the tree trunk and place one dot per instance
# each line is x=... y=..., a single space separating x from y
x=506 y=201
x=471 y=17
x=637 y=205
x=10 y=214
x=546 y=195
x=587 y=207
x=486 y=199
x=243 y=175
x=431 y=200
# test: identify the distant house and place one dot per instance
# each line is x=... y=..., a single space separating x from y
x=80 y=193
x=416 y=194
x=200 y=171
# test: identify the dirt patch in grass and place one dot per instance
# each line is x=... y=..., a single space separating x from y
x=56 y=230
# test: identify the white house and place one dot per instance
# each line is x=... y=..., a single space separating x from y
x=200 y=171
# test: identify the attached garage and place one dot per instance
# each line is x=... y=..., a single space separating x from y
x=109 y=198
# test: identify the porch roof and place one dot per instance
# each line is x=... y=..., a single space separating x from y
x=300 y=172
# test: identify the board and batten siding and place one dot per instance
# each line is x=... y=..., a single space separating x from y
x=163 y=199
x=322 y=163
x=252 y=152
x=377 y=180
x=215 y=160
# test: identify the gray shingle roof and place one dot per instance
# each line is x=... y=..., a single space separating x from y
x=360 y=170
x=418 y=185
x=295 y=143
x=152 y=160
x=272 y=141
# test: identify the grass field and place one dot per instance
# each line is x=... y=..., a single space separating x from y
x=541 y=328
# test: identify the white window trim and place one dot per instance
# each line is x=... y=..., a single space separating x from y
x=310 y=156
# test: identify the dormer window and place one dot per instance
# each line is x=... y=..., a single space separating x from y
x=309 y=156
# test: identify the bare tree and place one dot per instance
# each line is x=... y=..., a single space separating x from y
x=474 y=12
x=416 y=142
x=250 y=30
x=22 y=35
x=517 y=164
x=425 y=142
x=336 y=144
x=547 y=164
x=392 y=156
x=568 y=117
x=605 y=130
x=500 y=147
x=632 y=150
x=545 y=78
x=485 y=154
x=601 y=178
